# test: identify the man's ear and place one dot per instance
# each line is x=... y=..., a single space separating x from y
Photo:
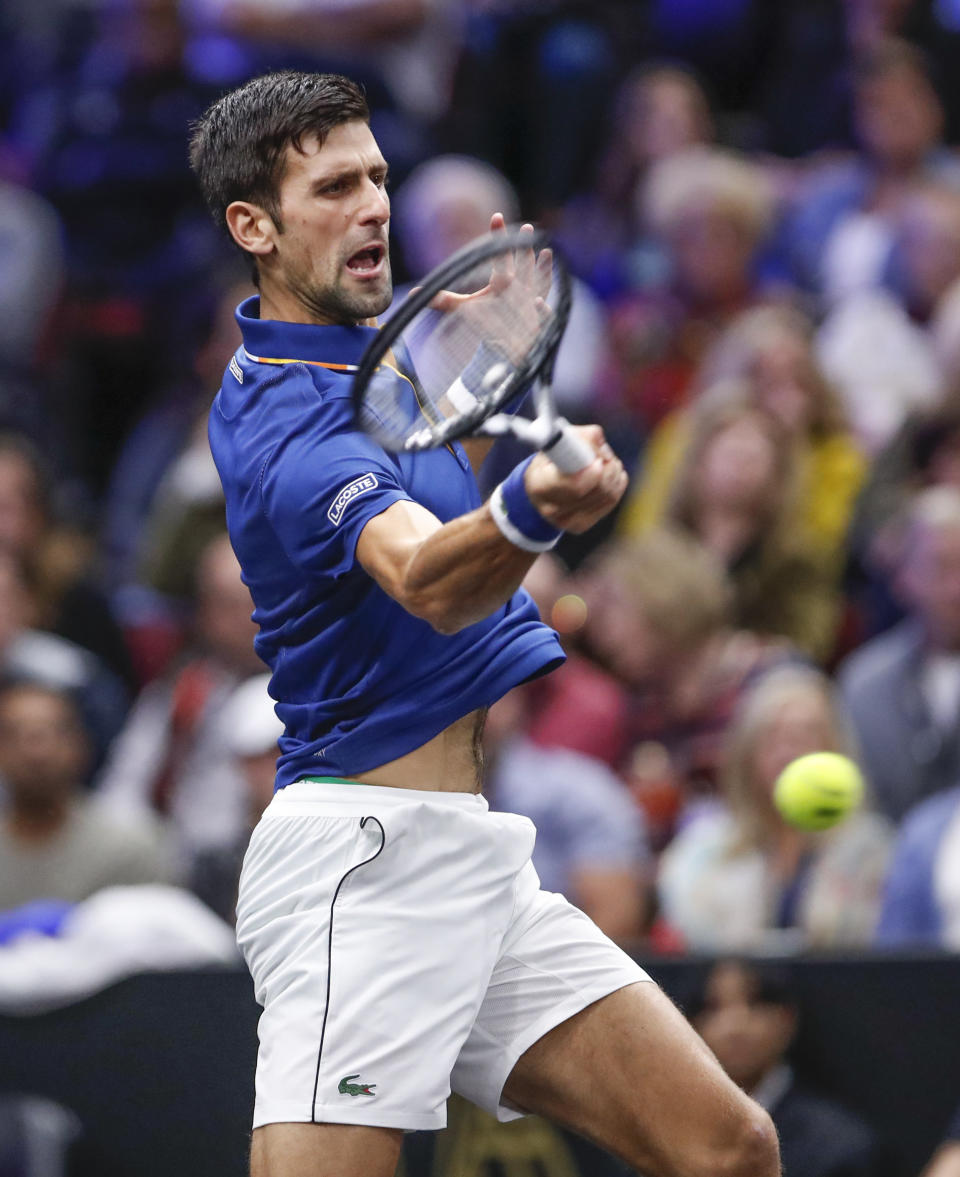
x=251 y=226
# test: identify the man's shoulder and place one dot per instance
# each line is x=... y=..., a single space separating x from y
x=272 y=403
x=250 y=387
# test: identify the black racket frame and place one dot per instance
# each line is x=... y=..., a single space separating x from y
x=538 y=361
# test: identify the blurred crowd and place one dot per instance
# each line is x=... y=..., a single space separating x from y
x=761 y=206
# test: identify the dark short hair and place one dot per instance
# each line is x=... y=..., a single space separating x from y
x=237 y=147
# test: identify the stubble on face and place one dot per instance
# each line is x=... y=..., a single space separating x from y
x=333 y=302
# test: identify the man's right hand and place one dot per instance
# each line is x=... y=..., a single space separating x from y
x=575 y=502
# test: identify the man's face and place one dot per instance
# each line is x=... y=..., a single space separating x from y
x=332 y=253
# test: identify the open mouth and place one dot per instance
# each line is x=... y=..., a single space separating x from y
x=366 y=261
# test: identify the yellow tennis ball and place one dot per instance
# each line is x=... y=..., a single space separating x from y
x=816 y=791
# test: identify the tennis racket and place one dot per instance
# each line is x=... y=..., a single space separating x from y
x=480 y=331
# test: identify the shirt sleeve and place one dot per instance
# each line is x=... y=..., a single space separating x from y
x=319 y=492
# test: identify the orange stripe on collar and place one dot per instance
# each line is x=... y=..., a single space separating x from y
x=316 y=363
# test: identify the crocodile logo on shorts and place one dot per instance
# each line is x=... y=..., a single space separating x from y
x=346 y=1087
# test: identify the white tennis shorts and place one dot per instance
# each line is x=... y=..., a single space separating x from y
x=400 y=946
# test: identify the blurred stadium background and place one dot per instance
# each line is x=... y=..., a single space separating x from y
x=761 y=204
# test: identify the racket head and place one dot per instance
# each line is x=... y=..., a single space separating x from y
x=433 y=375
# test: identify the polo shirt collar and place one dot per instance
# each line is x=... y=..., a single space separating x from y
x=308 y=342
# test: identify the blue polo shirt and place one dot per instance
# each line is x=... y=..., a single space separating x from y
x=358 y=680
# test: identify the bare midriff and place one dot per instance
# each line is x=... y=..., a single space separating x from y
x=451 y=762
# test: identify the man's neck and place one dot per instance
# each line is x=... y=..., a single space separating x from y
x=285 y=307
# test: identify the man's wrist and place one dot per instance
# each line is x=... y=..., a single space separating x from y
x=516 y=516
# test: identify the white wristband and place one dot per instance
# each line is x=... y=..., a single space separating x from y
x=498 y=510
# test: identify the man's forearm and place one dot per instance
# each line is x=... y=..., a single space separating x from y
x=457 y=573
x=463 y=572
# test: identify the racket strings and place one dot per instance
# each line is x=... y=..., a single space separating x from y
x=460 y=357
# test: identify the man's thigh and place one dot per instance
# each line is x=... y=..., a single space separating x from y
x=630 y=1074
x=324 y=1150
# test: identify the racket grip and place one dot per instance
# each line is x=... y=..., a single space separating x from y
x=569 y=452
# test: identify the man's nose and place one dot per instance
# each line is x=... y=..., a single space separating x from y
x=376 y=205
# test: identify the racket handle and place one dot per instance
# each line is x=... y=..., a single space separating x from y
x=569 y=452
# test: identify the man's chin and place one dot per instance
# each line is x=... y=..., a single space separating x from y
x=367 y=304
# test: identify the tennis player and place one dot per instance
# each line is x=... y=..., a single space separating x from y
x=395 y=928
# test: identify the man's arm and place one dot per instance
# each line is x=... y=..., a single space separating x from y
x=453 y=575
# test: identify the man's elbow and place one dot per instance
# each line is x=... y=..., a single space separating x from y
x=442 y=614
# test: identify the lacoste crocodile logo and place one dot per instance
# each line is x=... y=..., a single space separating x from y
x=346 y=1087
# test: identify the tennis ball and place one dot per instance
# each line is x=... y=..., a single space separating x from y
x=816 y=791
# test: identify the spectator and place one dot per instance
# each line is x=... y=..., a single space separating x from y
x=736 y=490
x=533 y=85
x=172 y=757
x=711 y=210
x=56 y=560
x=447 y=202
x=660 y=110
x=840 y=234
x=921 y=894
x=252 y=730
x=902 y=689
x=591 y=841
x=924 y=453
x=105 y=131
x=748 y=1014
x=879 y=347
x=164 y=495
x=737 y=876
x=55 y=842
x=658 y=621
x=769 y=351
x=404 y=52
x=43 y=658
x=31 y=274
x=579 y=705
